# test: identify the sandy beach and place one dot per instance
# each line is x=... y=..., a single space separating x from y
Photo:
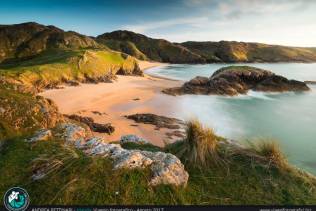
x=109 y=102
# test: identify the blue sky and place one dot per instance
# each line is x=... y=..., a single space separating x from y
x=287 y=22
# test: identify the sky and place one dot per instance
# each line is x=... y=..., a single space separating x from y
x=284 y=22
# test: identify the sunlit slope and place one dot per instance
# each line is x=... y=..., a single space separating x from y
x=226 y=51
x=54 y=67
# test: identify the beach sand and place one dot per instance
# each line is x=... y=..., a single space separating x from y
x=109 y=102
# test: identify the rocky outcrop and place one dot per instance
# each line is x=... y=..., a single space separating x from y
x=165 y=167
x=73 y=134
x=234 y=80
x=96 y=127
x=132 y=139
x=310 y=82
x=158 y=121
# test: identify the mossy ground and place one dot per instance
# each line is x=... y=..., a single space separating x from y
x=83 y=180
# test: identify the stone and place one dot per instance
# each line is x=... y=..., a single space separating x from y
x=132 y=139
x=166 y=168
x=41 y=135
x=157 y=120
x=73 y=134
x=96 y=127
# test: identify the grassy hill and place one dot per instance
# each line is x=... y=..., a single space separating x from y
x=226 y=51
x=51 y=68
x=143 y=47
x=20 y=41
x=26 y=40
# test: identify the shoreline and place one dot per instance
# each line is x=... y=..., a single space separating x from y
x=110 y=102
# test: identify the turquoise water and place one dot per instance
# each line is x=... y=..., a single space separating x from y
x=289 y=118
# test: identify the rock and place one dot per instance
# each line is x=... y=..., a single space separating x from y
x=131 y=159
x=2 y=110
x=96 y=127
x=40 y=135
x=166 y=168
x=73 y=134
x=73 y=83
x=176 y=133
x=158 y=121
x=132 y=139
x=234 y=80
x=310 y=82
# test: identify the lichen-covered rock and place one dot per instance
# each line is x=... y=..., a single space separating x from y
x=40 y=135
x=73 y=134
x=166 y=168
x=131 y=159
x=132 y=139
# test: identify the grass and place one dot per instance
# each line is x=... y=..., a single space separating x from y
x=199 y=148
x=55 y=67
x=72 y=175
x=21 y=113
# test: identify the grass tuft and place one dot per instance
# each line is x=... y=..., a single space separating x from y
x=199 y=148
x=271 y=151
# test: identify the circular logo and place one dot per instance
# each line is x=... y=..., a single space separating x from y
x=16 y=199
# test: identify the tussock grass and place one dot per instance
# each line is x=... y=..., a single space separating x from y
x=199 y=148
x=264 y=153
x=271 y=151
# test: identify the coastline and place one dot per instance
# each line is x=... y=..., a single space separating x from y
x=110 y=102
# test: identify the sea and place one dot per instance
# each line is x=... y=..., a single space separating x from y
x=288 y=118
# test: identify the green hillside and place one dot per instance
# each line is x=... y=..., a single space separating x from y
x=143 y=47
x=226 y=51
x=55 y=67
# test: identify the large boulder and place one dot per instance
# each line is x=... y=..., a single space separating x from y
x=234 y=80
x=166 y=168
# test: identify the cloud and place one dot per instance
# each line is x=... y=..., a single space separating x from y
x=286 y=22
x=145 y=27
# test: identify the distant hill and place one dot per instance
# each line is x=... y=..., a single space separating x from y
x=143 y=47
x=29 y=39
x=26 y=40
x=231 y=51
